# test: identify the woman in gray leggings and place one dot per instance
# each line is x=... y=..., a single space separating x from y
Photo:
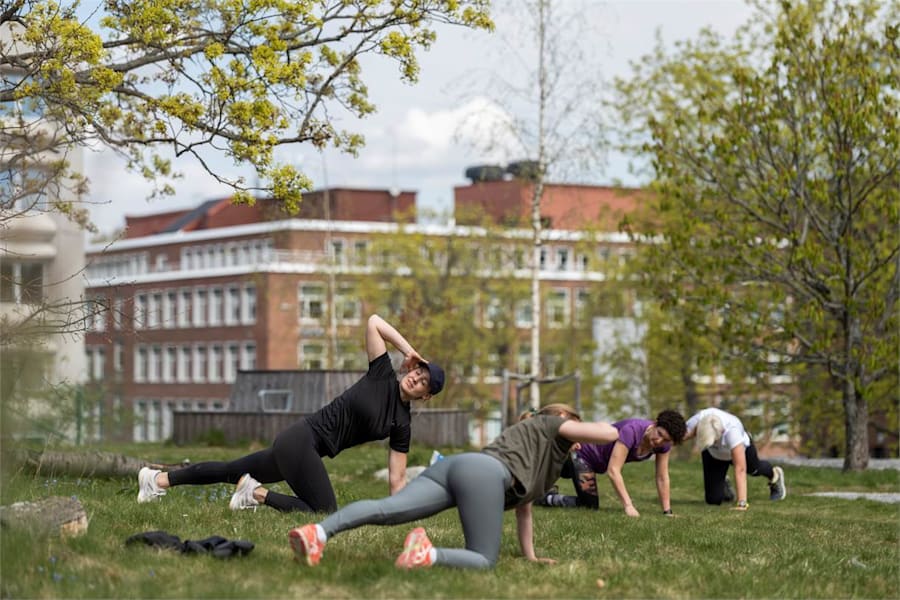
x=511 y=472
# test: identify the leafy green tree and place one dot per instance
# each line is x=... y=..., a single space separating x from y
x=775 y=163
x=198 y=76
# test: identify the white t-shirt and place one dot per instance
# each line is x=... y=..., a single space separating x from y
x=733 y=435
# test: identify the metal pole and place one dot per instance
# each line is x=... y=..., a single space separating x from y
x=578 y=392
x=504 y=401
x=79 y=418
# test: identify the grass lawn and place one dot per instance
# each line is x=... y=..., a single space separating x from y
x=803 y=547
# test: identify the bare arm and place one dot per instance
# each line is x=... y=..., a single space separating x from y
x=378 y=332
x=614 y=472
x=739 y=458
x=525 y=529
x=396 y=470
x=596 y=433
x=662 y=481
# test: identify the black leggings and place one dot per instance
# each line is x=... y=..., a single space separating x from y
x=295 y=457
x=714 y=471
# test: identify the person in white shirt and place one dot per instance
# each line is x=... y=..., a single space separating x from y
x=724 y=441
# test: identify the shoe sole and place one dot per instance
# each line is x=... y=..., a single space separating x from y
x=242 y=482
x=298 y=545
x=413 y=539
x=782 y=486
x=141 y=498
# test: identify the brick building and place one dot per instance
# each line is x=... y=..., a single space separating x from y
x=196 y=295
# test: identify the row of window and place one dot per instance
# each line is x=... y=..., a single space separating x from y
x=199 y=257
x=229 y=254
x=185 y=307
x=193 y=363
x=192 y=258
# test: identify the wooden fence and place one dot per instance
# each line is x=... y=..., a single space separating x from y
x=432 y=427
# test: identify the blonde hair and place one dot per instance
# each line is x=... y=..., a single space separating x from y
x=709 y=430
x=557 y=409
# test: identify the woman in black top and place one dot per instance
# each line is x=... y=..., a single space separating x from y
x=373 y=408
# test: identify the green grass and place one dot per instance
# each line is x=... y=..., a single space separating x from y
x=804 y=547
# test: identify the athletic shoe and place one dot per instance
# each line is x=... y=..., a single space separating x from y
x=148 y=489
x=777 y=489
x=306 y=545
x=243 y=494
x=728 y=495
x=416 y=551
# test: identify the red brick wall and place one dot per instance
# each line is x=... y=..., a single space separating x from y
x=565 y=206
x=277 y=321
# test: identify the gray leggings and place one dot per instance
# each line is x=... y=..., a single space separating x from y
x=473 y=482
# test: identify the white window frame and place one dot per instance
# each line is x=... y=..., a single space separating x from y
x=140 y=311
x=216 y=301
x=345 y=298
x=200 y=307
x=170 y=304
x=185 y=303
x=288 y=395
x=523 y=308
x=310 y=295
x=141 y=360
x=201 y=363
x=232 y=361
x=216 y=368
x=307 y=356
x=232 y=305
x=185 y=373
x=170 y=362
x=557 y=311
x=154 y=369
x=248 y=305
x=248 y=356
x=118 y=357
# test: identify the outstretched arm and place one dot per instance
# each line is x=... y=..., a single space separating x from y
x=596 y=433
x=378 y=332
x=525 y=529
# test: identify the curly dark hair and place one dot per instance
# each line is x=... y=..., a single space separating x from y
x=673 y=422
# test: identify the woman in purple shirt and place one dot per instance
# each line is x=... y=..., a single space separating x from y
x=639 y=439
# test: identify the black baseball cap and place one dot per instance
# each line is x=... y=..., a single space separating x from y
x=435 y=377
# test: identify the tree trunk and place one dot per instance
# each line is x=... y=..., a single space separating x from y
x=82 y=464
x=856 y=421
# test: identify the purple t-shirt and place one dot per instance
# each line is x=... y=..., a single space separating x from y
x=631 y=431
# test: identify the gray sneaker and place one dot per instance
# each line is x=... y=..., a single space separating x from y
x=728 y=494
x=777 y=488
x=148 y=489
x=243 y=495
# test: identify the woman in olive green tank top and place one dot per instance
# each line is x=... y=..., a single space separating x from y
x=511 y=472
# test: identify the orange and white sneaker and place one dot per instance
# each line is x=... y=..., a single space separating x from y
x=306 y=545
x=416 y=551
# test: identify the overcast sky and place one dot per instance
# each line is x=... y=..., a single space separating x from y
x=416 y=140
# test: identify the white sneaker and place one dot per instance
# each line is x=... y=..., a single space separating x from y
x=243 y=495
x=777 y=488
x=149 y=490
